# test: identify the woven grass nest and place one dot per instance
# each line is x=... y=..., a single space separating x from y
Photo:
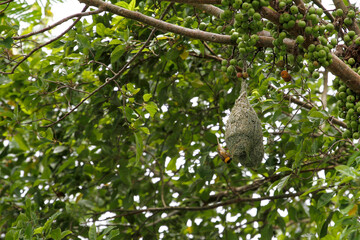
x=243 y=135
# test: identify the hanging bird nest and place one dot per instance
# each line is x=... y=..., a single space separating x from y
x=243 y=134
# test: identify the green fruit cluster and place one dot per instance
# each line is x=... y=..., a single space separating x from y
x=348 y=104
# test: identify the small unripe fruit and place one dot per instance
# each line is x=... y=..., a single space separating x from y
x=339 y=12
x=330 y=27
x=202 y=26
x=356 y=135
x=301 y=23
x=342 y=95
x=316 y=75
x=294 y=9
x=350 y=98
x=347 y=38
x=354 y=125
x=225 y=2
x=319 y=12
x=351 y=33
x=245 y=75
x=224 y=62
x=348 y=21
x=308 y=30
x=282 y=5
x=233 y=62
x=230 y=70
x=351 y=13
x=312 y=10
x=351 y=61
x=346 y=134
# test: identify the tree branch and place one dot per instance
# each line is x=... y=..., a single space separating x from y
x=340 y=4
x=208 y=207
x=338 y=67
x=47 y=43
x=82 y=14
x=194 y=1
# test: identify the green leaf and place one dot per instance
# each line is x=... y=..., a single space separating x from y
x=59 y=149
x=151 y=108
x=122 y=4
x=100 y=29
x=50 y=221
x=139 y=145
x=92 y=232
x=283 y=182
x=117 y=53
x=147 y=97
x=21 y=142
x=172 y=164
x=317 y=114
x=324 y=199
x=83 y=40
x=56 y=234
x=65 y=233
x=113 y=233
x=210 y=137
x=132 y=5
x=197 y=83
x=67 y=163
x=38 y=230
x=345 y=170
x=324 y=227
x=267 y=232
x=284 y=169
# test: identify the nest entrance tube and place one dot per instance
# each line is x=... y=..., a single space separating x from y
x=243 y=135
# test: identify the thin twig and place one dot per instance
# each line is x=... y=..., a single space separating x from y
x=47 y=43
x=108 y=80
x=82 y=14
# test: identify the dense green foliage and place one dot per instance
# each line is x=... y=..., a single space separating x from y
x=85 y=151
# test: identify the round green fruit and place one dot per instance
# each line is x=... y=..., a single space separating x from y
x=202 y=26
x=225 y=2
x=351 y=13
x=347 y=38
x=282 y=5
x=330 y=27
x=255 y=4
x=300 y=39
x=349 y=105
x=351 y=61
x=233 y=62
x=350 y=98
x=301 y=23
x=308 y=30
x=339 y=12
x=351 y=33
x=346 y=134
x=319 y=12
x=291 y=24
x=312 y=10
x=356 y=135
x=342 y=95
x=316 y=75
x=354 y=125
x=257 y=16
x=230 y=70
x=348 y=21
x=294 y=9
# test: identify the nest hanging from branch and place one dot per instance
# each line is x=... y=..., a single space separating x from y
x=243 y=134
